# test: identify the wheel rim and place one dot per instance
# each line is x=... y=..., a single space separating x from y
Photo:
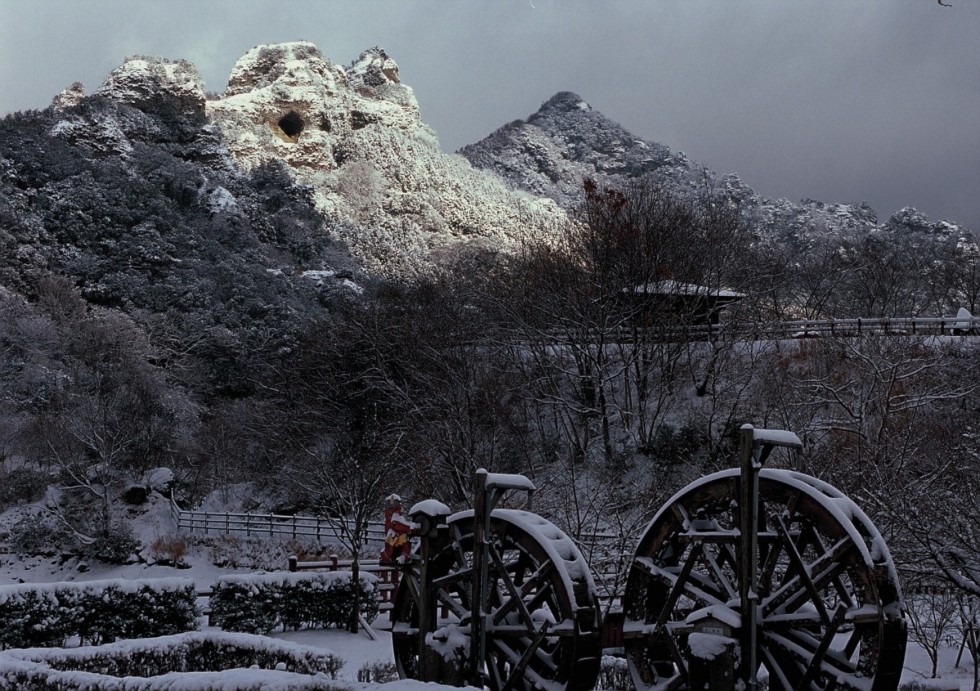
x=829 y=598
x=543 y=613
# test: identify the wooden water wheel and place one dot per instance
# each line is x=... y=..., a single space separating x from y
x=542 y=617
x=827 y=600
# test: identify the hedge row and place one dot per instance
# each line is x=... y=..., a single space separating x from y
x=261 y=603
x=46 y=615
x=194 y=661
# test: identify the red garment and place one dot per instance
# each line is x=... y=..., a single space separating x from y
x=397 y=528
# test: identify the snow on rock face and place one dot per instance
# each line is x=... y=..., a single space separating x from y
x=154 y=83
x=356 y=137
x=69 y=97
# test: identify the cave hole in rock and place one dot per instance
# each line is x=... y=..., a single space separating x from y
x=291 y=124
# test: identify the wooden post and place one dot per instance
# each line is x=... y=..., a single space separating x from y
x=430 y=561
x=711 y=664
x=481 y=519
x=749 y=549
x=293 y=563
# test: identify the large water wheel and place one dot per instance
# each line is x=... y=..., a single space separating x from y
x=827 y=604
x=541 y=624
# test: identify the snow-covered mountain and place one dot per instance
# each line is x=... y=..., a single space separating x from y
x=352 y=139
x=352 y=135
x=567 y=140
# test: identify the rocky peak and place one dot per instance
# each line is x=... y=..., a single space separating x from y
x=289 y=102
x=563 y=101
x=375 y=75
x=562 y=143
x=69 y=97
x=295 y=65
x=155 y=84
x=910 y=220
x=374 y=67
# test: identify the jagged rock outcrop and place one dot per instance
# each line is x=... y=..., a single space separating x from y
x=356 y=137
x=71 y=96
x=565 y=141
x=156 y=84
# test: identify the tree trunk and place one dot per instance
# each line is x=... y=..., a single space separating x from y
x=355 y=610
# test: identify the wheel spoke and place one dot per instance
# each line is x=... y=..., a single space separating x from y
x=711 y=559
x=529 y=652
x=516 y=600
x=651 y=568
x=825 y=568
x=818 y=656
x=804 y=648
x=537 y=579
x=678 y=586
x=452 y=601
x=411 y=581
x=775 y=668
x=803 y=573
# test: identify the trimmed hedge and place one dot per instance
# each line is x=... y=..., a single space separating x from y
x=46 y=615
x=260 y=603
x=193 y=661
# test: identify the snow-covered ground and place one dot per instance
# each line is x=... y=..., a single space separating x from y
x=359 y=651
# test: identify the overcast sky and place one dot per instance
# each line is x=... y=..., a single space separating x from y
x=838 y=100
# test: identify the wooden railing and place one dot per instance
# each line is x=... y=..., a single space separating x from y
x=317 y=527
x=799 y=328
x=387 y=575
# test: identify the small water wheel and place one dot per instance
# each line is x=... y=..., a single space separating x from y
x=825 y=597
x=541 y=623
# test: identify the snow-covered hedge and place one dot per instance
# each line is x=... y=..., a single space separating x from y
x=259 y=603
x=96 y=612
x=211 y=661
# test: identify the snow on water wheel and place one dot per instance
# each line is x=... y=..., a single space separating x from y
x=830 y=613
x=543 y=616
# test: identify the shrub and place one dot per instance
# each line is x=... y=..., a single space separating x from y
x=258 y=604
x=378 y=672
x=96 y=612
x=169 y=549
x=614 y=673
x=116 y=546
x=22 y=486
x=241 y=606
x=36 y=534
x=105 y=666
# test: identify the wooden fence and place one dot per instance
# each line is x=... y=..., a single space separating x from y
x=800 y=328
x=318 y=527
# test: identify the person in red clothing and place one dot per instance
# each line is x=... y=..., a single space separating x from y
x=397 y=529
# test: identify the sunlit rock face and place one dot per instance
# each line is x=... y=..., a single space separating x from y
x=355 y=136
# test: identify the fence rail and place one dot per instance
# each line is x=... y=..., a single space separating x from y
x=799 y=328
x=318 y=527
